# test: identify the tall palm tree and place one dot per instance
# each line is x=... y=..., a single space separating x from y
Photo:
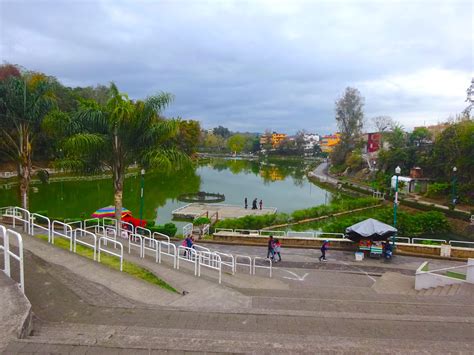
x=24 y=103
x=118 y=134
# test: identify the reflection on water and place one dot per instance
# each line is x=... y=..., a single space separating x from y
x=282 y=184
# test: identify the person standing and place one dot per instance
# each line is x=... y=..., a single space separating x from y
x=271 y=245
x=245 y=203
x=277 y=249
x=261 y=204
x=324 y=247
x=254 y=204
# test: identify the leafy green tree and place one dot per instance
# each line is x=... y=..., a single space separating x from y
x=222 y=131
x=24 y=102
x=188 y=136
x=119 y=133
x=236 y=143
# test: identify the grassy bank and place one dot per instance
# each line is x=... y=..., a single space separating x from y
x=114 y=263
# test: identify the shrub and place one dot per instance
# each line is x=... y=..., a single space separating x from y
x=437 y=189
x=168 y=229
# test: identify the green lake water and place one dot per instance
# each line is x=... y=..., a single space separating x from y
x=282 y=184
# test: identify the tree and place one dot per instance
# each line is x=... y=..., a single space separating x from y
x=188 y=136
x=214 y=142
x=469 y=99
x=349 y=118
x=119 y=133
x=236 y=143
x=222 y=131
x=24 y=102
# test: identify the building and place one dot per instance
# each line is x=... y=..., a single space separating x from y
x=328 y=142
x=373 y=142
x=274 y=139
x=435 y=130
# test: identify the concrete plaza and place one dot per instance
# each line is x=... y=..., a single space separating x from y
x=341 y=306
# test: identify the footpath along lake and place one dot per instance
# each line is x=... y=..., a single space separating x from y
x=282 y=184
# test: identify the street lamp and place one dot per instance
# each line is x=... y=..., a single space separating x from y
x=454 y=186
x=395 y=203
x=142 y=192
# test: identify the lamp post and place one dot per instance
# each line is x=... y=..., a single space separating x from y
x=142 y=188
x=454 y=187
x=395 y=203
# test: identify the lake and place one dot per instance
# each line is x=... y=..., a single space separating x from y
x=281 y=184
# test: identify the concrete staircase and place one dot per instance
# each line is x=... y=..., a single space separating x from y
x=449 y=290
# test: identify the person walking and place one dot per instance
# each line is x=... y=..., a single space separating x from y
x=261 y=204
x=271 y=245
x=254 y=204
x=277 y=249
x=324 y=247
x=245 y=203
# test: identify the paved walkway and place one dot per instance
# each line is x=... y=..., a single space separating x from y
x=307 y=307
x=224 y=211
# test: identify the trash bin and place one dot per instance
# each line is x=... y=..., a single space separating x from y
x=359 y=256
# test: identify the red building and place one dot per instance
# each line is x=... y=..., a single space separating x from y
x=373 y=142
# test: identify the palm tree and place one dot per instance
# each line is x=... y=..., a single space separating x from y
x=118 y=134
x=25 y=100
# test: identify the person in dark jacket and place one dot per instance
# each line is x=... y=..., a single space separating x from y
x=324 y=247
x=271 y=244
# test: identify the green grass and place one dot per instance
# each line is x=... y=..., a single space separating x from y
x=114 y=263
x=456 y=275
x=425 y=268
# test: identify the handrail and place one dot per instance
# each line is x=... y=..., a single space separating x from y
x=231 y=264
x=111 y=252
x=260 y=266
x=108 y=219
x=21 y=217
x=210 y=260
x=460 y=242
x=200 y=248
x=270 y=232
x=132 y=241
x=246 y=257
x=154 y=249
x=432 y=240
x=33 y=224
x=249 y=231
x=340 y=235
x=295 y=234
x=78 y=233
x=216 y=230
x=66 y=228
x=403 y=238
x=160 y=251
x=74 y=223
x=84 y=225
x=189 y=255
x=161 y=235
x=7 y=253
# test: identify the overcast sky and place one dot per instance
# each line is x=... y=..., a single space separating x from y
x=255 y=65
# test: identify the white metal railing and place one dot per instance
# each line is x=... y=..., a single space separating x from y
x=246 y=231
x=90 y=223
x=413 y=240
x=39 y=217
x=107 y=222
x=143 y=231
x=451 y=242
x=167 y=253
x=205 y=230
x=152 y=246
x=403 y=239
x=189 y=255
x=82 y=233
x=244 y=257
x=120 y=256
x=201 y=248
x=22 y=215
x=188 y=230
x=8 y=253
x=66 y=233
x=217 y=230
x=273 y=233
x=334 y=235
x=129 y=228
x=136 y=241
x=227 y=260
x=262 y=266
x=210 y=260
x=295 y=234
x=75 y=224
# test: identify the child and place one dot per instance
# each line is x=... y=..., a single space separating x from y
x=277 y=249
x=271 y=244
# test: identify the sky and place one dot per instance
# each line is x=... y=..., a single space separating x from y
x=255 y=65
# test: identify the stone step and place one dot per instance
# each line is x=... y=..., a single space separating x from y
x=66 y=337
